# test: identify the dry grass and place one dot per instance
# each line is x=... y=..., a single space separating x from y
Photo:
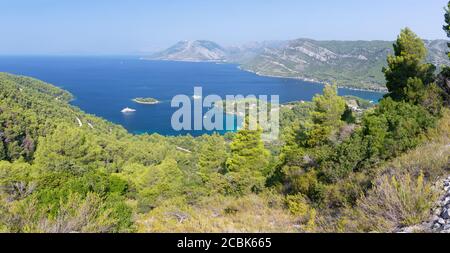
x=253 y=213
x=396 y=201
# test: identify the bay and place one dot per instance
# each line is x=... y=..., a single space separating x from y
x=103 y=86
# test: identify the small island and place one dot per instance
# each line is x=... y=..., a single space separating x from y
x=146 y=101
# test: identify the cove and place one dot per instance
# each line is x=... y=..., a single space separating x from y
x=104 y=86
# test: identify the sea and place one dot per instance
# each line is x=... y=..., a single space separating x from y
x=105 y=85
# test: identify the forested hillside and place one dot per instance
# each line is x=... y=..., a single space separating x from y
x=336 y=168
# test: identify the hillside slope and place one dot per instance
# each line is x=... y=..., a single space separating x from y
x=62 y=170
x=408 y=190
x=355 y=64
x=194 y=51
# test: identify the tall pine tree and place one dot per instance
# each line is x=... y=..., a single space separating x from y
x=248 y=161
x=444 y=77
x=446 y=27
x=326 y=118
x=406 y=72
x=328 y=108
x=213 y=155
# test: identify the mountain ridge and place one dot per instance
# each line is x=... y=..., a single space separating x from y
x=353 y=64
x=195 y=51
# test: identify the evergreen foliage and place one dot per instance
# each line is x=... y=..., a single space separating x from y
x=62 y=170
x=406 y=71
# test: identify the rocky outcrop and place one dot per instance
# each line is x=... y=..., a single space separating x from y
x=441 y=218
x=440 y=221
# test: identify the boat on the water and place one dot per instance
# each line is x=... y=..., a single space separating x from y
x=128 y=110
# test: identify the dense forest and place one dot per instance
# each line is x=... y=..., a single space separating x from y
x=334 y=169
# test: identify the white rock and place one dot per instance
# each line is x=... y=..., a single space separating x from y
x=441 y=221
x=436 y=226
x=447 y=227
x=445 y=214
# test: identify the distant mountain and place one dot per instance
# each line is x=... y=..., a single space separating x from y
x=355 y=64
x=437 y=52
x=200 y=50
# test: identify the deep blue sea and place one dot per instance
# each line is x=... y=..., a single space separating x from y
x=103 y=86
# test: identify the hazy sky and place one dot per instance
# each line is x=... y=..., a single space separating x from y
x=135 y=26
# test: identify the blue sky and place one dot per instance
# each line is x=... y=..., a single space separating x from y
x=137 y=26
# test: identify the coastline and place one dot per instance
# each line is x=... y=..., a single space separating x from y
x=312 y=80
x=240 y=67
x=187 y=60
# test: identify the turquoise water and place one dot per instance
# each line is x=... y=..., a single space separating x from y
x=103 y=86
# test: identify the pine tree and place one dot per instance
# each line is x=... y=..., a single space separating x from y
x=68 y=149
x=407 y=64
x=326 y=118
x=160 y=183
x=213 y=155
x=328 y=108
x=249 y=159
x=446 y=27
x=444 y=77
x=415 y=89
x=212 y=159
